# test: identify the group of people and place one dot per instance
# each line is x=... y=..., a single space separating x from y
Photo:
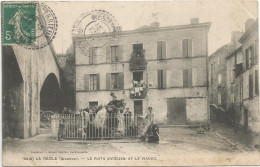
x=99 y=120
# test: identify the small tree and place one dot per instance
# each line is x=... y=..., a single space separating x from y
x=137 y=60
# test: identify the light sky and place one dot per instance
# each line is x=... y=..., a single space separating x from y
x=225 y=16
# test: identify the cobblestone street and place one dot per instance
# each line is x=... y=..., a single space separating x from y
x=175 y=144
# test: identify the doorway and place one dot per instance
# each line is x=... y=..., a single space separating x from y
x=138 y=107
x=176 y=111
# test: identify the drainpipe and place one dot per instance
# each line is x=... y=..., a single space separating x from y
x=207 y=75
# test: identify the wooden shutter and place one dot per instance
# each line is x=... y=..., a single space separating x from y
x=120 y=53
x=190 y=77
x=159 y=50
x=253 y=54
x=256 y=52
x=98 y=82
x=184 y=48
x=108 y=77
x=190 y=48
x=121 y=81
x=194 y=77
x=90 y=52
x=94 y=52
x=256 y=83
x=164 y=79
x=159 y=78
x=108 y=54
x=164 y=50
x=86 y=82
x=251 y=86
x=185 y=77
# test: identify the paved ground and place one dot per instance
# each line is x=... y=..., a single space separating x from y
x=178 y=145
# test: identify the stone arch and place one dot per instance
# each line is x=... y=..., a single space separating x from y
x=50 y=94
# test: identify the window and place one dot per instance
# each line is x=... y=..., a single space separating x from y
x=92 y=52
x=219 y=79
x=138 y=76
x=256 y=52
x=256 y=83
x=114 y=53
x=162 y=79
x=93 y=82
x=219 y=99
x=161 y=50
x=232 y=76
x=251 y=86
x=115 y=81
x=137 y=47
x=249 y=57
x=93 y=104
x=187 y=47
x=187 y=77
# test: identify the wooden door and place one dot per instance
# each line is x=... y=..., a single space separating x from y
x=176 y=111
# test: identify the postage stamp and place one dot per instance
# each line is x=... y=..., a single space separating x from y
x=33 y=25
x=19 y=23
x=98 y=28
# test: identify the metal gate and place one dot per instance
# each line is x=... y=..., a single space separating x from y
x=97 y=126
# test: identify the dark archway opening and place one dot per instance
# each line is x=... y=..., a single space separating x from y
x=12 y=93
x=50 y=99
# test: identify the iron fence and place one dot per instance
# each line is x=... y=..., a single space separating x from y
x=97 y=126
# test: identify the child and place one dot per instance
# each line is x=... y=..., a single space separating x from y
x=61 y=128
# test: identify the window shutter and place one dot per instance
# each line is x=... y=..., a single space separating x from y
x=108 y=77
x=94 y=52
x=164 y=50
x=164 y=78
x=121 y=81
x=190 y=48
x=194 y=77
x=185 y=77
x=256 y=83
x=90 y=56
x=98 y=82
x=159 y=50
x=256 y=52
x=251 y=86
x=86 y=82
x=190 y=77
x=253 y=54
x=108 y=54
x=159 y=78
x=120 y=53
x=185 y=48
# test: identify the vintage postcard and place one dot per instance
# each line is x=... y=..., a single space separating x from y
x=130 y=83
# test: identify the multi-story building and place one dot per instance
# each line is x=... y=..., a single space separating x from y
x=161 y=67
x=218 y=75
x=242 y=78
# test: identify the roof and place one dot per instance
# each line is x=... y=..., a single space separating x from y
x=224 y=47
x=233 y=53
x=248 y=32
x=161 y=29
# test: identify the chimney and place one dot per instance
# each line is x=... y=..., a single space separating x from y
x=155 y=24
x=249 y=23
x=194 y=21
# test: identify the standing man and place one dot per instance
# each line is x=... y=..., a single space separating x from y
x=61 y=129
x=150 y=119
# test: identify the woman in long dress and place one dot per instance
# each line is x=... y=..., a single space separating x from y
x=121 y=125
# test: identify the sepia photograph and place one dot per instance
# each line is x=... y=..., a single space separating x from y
x=130 y=83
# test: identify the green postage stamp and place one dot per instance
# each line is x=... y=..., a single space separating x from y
x=19 y=23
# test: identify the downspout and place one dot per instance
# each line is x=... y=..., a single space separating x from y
x=207 y=75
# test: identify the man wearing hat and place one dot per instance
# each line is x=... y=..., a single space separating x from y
x=150 y=119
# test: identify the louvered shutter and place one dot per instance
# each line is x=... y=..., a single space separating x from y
x=184 y=48
x=190 y=48
x=108 y=77
x=121 y=81
x=190 y=77
x=108 y=54
x=159 y=78
x=185 y=77
x=98 y=81
x=159 y=50
x=86 y=82
x=164 y=81
x=164 y=50
x=120 y=53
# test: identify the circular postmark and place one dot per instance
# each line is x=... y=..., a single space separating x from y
x=46 y=25
x=97 y=29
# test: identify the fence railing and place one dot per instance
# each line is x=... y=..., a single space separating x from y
x=97 y=126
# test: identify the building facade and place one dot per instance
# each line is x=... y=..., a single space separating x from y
x=218 y=87
x=243 y=80
x=161 y=67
